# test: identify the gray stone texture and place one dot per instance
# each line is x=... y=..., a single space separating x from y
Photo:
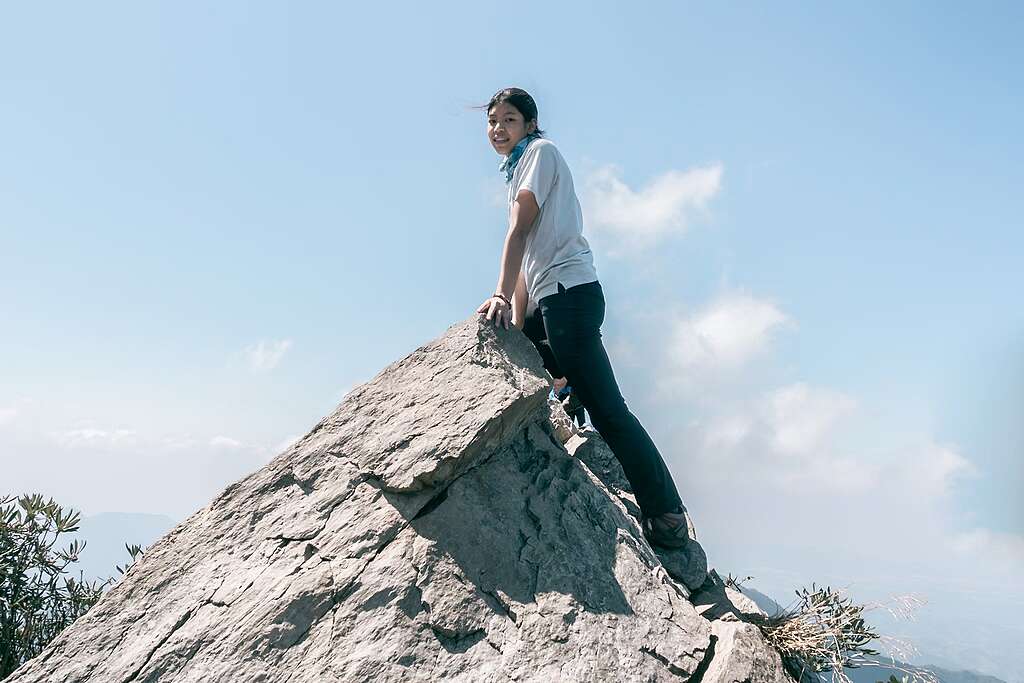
x=718 y=600
x=563 y=425
x=741 y=654
x=687 y=565
x=433 y=527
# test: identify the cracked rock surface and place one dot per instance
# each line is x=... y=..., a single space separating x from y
x=687 y=565
x=433 y=527
x=741 y=654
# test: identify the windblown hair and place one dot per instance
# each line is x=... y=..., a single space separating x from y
x=518 y=98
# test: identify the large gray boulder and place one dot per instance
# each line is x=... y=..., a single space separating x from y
x=433 y=527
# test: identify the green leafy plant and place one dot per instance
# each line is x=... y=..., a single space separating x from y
x=134 y=550
x=37 y=599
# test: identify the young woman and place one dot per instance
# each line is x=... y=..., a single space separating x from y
x=548 y=269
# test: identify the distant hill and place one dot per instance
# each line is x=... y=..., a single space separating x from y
x=882 y=673
x=763 y=601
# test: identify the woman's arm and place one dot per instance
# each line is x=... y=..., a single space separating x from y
x=524 y=213
x=520 y=299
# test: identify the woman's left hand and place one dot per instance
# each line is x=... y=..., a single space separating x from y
x=496 y=308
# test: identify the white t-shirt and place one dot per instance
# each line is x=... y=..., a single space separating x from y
x=556 y=250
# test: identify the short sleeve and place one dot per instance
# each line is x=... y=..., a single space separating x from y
x=540 y=165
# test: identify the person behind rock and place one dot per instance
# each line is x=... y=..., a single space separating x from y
x=547 y=262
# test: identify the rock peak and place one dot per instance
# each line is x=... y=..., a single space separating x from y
x=433 y=527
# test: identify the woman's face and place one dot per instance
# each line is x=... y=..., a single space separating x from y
x=506 y=127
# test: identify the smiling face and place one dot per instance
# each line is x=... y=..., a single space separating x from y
x=506 y=127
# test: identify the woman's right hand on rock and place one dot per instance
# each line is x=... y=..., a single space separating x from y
x=496 y=309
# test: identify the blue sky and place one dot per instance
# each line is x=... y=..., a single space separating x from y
x=216 y=220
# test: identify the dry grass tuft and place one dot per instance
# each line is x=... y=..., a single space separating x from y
x=825 y=631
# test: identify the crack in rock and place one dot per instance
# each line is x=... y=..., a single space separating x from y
x=178 y=624
x=667 y=664
x=705 y=662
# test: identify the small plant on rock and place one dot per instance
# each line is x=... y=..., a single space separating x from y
x=736 y=582
x=825 y=631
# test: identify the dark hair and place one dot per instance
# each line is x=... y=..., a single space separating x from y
x=518 y=98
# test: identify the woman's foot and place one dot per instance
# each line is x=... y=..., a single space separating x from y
x=668 y=530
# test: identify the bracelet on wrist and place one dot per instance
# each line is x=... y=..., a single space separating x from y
x=503 y=298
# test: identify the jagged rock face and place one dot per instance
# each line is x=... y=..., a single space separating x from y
x=562 y=425
x=741 y=652
x=687 y=565
x=717 y=600
x=431 y=528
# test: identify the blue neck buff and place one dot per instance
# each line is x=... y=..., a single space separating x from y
x=510 y=162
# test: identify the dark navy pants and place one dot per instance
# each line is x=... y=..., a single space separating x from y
x=566 y=329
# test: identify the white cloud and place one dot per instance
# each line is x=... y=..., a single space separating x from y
x=801 y=417
x=725 y=432
x=225 y=442
x=91 y=437
x=726 y=334
x=1004 y=551
x=932 y=469
x=265 y=355
x=787 y=434
x=639 y=218
x=87 y=434
x=178 y=442
x=805 y=437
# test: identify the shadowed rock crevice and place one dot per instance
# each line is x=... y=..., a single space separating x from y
x=458 y=643
x=705 y=663
x=432 y=504
x=675 y=670
x=433 y=527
